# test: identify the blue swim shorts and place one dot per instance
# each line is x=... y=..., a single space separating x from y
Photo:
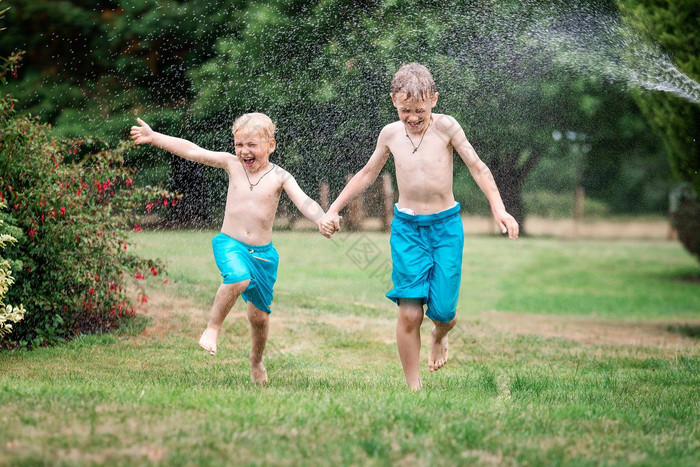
x=426 y=252
x=238 y=261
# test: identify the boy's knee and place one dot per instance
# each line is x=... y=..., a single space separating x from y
x=257 y=317
x=410 y=319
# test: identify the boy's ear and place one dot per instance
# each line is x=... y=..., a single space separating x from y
x=393 y=100
x=273 y=145
x=435 y=99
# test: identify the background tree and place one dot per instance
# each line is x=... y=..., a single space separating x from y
x=674 y=26
x=322 y=71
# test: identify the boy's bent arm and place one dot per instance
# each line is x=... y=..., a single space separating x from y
x=307 y=206
x=143 y=134
x=484 y=178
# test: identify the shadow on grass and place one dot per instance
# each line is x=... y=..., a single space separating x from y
x=687 y=330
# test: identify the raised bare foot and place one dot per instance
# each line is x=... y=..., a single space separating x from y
x=258 y=374
x=438 y=353
x=209 y=339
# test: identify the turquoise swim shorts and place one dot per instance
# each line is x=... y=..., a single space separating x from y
x=238 y=261
x=426 y=252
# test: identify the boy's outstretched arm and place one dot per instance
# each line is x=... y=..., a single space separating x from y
x=484 y=178
x=360 y=182
x=143 y=134
x=307 y=206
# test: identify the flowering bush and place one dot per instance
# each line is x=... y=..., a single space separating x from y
x=74 y=203
x=8 y=313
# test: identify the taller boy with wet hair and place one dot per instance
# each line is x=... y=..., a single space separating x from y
x=427 y=237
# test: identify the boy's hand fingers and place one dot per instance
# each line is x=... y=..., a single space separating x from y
x=141 y=122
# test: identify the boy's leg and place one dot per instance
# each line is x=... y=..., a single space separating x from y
x=259 y=327
x=408 y=339
x=439 y=345
x=224 y=300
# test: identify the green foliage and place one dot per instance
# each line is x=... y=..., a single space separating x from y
x=674 y=25
x=321 y=70
x=8 y=313
x=72 y=201
x=685 y=217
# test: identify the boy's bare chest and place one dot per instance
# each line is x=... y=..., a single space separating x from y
x=258 y=186
x=414 y=151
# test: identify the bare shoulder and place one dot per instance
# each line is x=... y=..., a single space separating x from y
x=391 y=129
x=446 y=124
x=231 y=160
x=281 y=175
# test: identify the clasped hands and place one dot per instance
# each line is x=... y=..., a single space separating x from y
x=329 y=224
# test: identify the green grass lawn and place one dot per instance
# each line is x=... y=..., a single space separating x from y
x=534 y=377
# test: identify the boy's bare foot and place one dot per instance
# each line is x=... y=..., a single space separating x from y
x=438 y=353
x=416 y=387
x=258 y=374
x=209 y=339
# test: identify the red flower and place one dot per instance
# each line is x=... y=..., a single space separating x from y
x=92 y=291
x=63 y=211
x=165 y=281
x=154 y=271
x=138 y=275
x=137 y=228
x=128 y=182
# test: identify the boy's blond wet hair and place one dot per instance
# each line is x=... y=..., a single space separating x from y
x=415 y=81
x=256 y=121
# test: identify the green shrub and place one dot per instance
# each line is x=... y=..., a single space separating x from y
x=685 y=217
x=8 y=314
x=73 y=202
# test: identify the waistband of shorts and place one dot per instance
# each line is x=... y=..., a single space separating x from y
x=260 y=248
x=428 y=219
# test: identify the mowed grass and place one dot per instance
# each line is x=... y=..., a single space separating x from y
x=337 y=394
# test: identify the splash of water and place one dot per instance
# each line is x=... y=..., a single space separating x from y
x=598 y=44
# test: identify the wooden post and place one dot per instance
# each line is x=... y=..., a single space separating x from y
x=578 y=205
x=387 y=201
x=578 y=209
x=324 y=195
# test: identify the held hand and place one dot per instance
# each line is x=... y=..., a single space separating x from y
x=329 y=224
x=507 y=224
x=142 y=134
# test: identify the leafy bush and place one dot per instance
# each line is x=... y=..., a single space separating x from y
x=8 y=313
x=685 y=217
x=72 y=201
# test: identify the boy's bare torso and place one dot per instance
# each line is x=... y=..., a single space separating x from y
x=424 y=177
x=250 y=214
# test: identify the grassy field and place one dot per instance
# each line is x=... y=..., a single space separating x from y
x=567 y=352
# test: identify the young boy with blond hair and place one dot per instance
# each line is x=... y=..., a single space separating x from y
x=427 y=237
x=243 y=250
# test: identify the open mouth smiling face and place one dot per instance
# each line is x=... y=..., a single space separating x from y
x=252 y=149
x=414 y=113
